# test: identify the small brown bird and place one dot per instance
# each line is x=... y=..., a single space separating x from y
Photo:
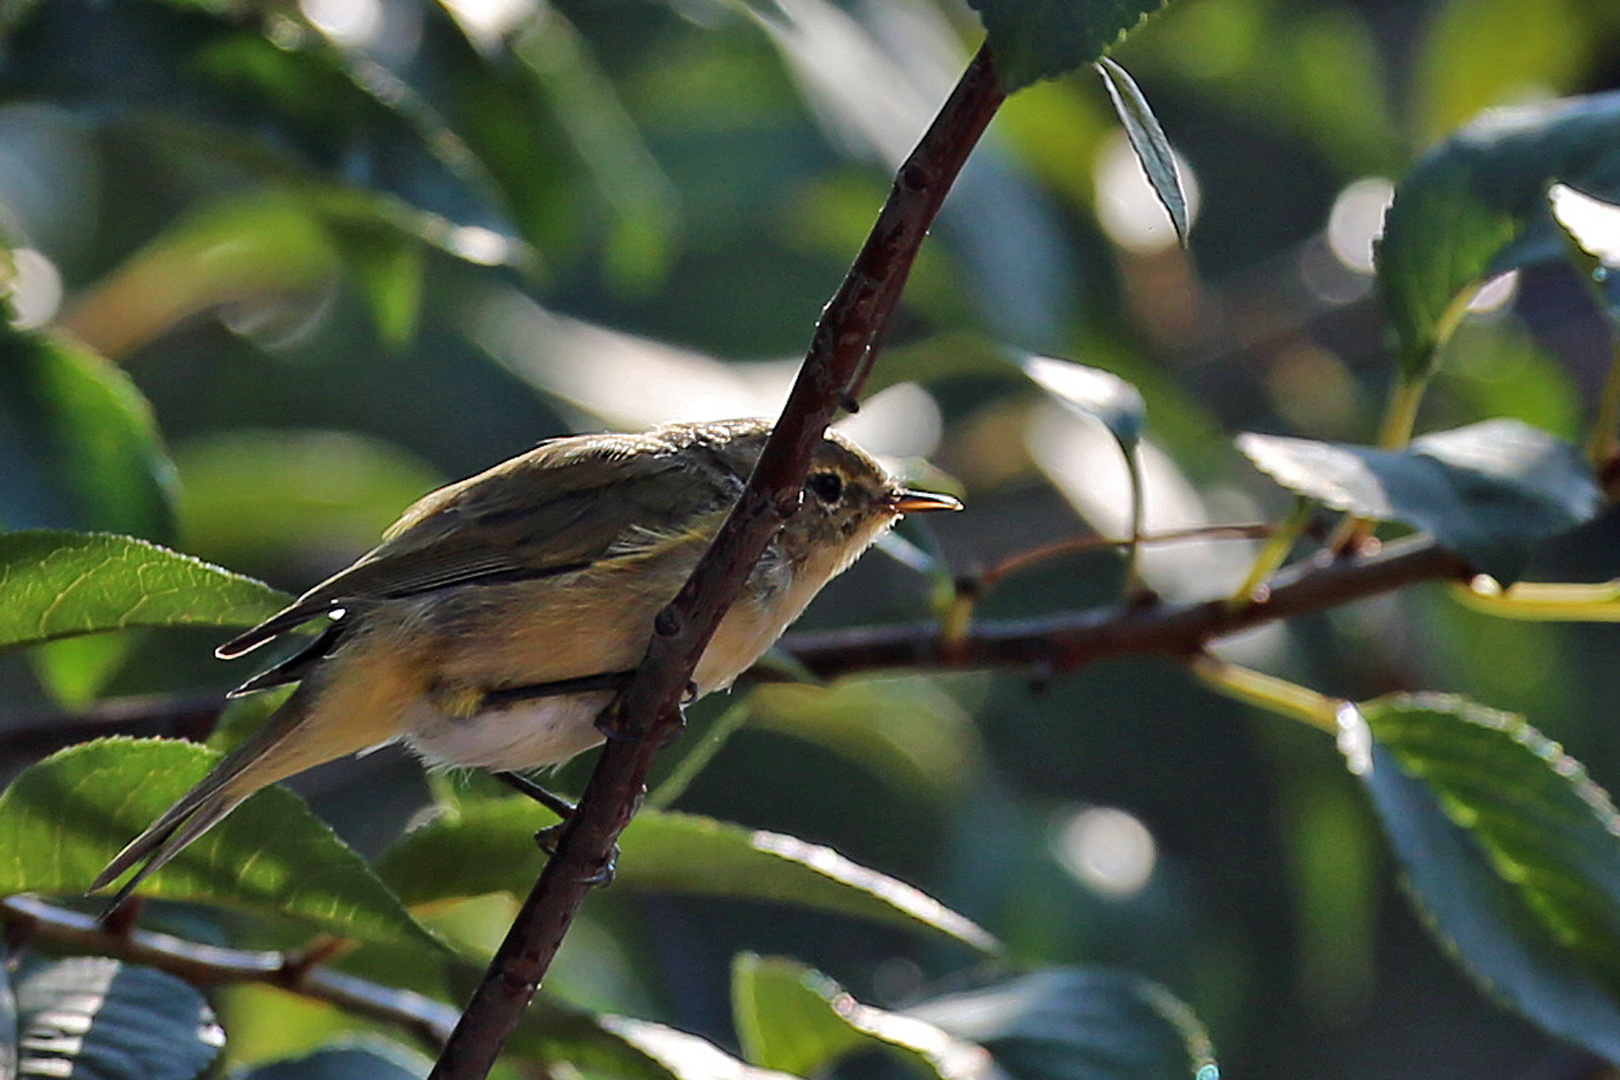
x=489 y=626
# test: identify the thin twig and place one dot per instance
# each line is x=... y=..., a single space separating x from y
x=210 y=965
x=648 y=711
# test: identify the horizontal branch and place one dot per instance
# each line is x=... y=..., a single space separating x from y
x=1057 y=643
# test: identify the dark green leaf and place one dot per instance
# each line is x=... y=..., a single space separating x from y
x=95 y=1018
x=373 y=1061
x=1512 y=853
x=62 y=819
x=794 y=1019
x=488 y=846
x=1039 y=39
x=78 y=441
x=1488 y=491
x=1476 y=204
x=55 y=585
x=1147 y=139
x=1079 y=1024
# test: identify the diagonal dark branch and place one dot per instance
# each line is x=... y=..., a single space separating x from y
x=649 y=709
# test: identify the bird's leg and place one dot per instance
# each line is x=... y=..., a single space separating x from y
x=547 y=837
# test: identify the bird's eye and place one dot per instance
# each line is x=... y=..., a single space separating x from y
x=826 y=486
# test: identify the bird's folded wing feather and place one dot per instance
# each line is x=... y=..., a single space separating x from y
x=493 y=528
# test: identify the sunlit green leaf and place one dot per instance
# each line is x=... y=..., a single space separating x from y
x=488 y=846
x=1078 y=1024
x=1093 y=392
x=1488 y=491
x=1512 y=852
x=98 y=1018
x=795 y=1019
x=64 y=818
x=56 y=585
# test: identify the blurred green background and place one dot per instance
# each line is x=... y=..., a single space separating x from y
x=351 y=249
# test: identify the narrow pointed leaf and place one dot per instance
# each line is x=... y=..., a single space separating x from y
x=488 y=846
x=59 y=584
x=1488 y=491
x=1148 y=140
x=98 y=1018
x=64 y=818
x=1512 y=853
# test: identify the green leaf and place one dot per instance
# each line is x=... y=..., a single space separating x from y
x=488 y=846
x=99 y=1018
x=792 y=1018
x=1079 y=1024
x=79 y=444
x=57 y=584
x=1476 y=205
x=1094 y=393
x=1488 y=491
x=1512 y=853
x=64 y=818
x=1040 y=39
x=372 y=1061
x=250 y=494
x=602 y=1044
x=1148 y=140
x=905 y=731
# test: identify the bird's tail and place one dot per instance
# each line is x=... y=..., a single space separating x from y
x=244 y=771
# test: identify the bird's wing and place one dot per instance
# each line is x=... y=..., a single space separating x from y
x=554 y=510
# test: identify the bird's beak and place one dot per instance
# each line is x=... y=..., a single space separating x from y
x=915 y=502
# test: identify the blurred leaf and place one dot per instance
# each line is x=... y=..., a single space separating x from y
x=1094 y=393
x=1476 y=205
x=62 y=819
x=676 y=1053
x=373 y=1061
x=249 y=495
x=58 y=584
x=605 y=1045
x=488 y=846
x=8 y=1025
x=249 y=250
x=80 y=447
x=1039 y=39
x=1488 y=491
x=74 y=669
x=795 y=1019
x=1474 y=54
x=389 y=266
x=1592 y=228
x=906 y=731
x=1078 y=1024
x=1148 y=141
x=100 y=1019
x=1512 y=852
